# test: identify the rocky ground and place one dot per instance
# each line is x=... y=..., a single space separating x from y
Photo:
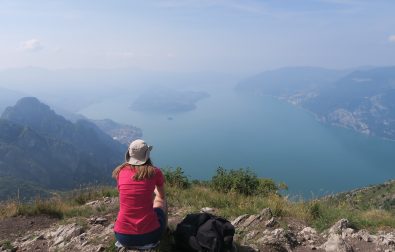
x=260 y=232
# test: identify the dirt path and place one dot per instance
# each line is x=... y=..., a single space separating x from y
x=14 y=227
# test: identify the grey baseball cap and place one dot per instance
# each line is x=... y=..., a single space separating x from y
x=138 y=152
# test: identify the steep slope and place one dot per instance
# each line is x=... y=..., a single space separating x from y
x=362 y=100
x=12 y=188
x=41 y=147
x=123 y=133
x=380 y=196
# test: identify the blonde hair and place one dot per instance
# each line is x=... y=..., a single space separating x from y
x=145 y=171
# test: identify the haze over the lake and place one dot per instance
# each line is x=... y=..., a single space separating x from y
x=196 y=35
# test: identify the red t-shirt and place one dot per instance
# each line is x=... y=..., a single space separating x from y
x=136 y=214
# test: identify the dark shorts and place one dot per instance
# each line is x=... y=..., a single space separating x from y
x=130 y=240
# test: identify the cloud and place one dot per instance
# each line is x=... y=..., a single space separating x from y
x=31 y=45
x=391 y=38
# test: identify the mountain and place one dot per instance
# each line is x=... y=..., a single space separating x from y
x=289 y=81
x=362 y=100
x=12 y=188
x=122 y=133
x=75 y=89
x=83 y=134
x=41 y=147
x=164 y=100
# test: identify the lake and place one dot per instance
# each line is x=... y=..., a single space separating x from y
x=271 y=137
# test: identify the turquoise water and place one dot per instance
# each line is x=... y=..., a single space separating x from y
x=271 y=137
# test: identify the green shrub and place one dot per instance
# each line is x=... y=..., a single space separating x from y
x=176 y=178
x=244 y=181
x=241 y=181
x=267 y=186
x=197 y=182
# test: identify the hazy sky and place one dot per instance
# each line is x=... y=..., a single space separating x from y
x=196 y=35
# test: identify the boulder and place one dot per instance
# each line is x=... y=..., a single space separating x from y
x=245 y=220
x=387 y=239
x=308 y=234
x=251 y=235
x=236 y=222
x=364 y=235
x=339 y=226
x=266 y=214
x=348 y=232
x=279 y=239
x=65 y=233
x=271 y=223
x=251 y=219
x=308 y=230
x=336 y=243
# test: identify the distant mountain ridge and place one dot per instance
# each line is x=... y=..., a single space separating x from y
x=41 y=147
x=362 y=100
x=83 y=134
x=289 y=81
x=163 y=100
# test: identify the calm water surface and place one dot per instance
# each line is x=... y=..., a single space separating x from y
x=271 y=137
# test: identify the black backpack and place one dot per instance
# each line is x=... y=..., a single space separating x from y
x=204 y=232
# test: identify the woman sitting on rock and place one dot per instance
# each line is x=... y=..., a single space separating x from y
x=142 y=217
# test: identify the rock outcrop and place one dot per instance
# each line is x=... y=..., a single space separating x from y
x=253 y=231
x=259 y=232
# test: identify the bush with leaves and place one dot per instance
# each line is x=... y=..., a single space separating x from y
x=176 y=178
x=268 y=186
x=241 y=181
x=244 y=181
